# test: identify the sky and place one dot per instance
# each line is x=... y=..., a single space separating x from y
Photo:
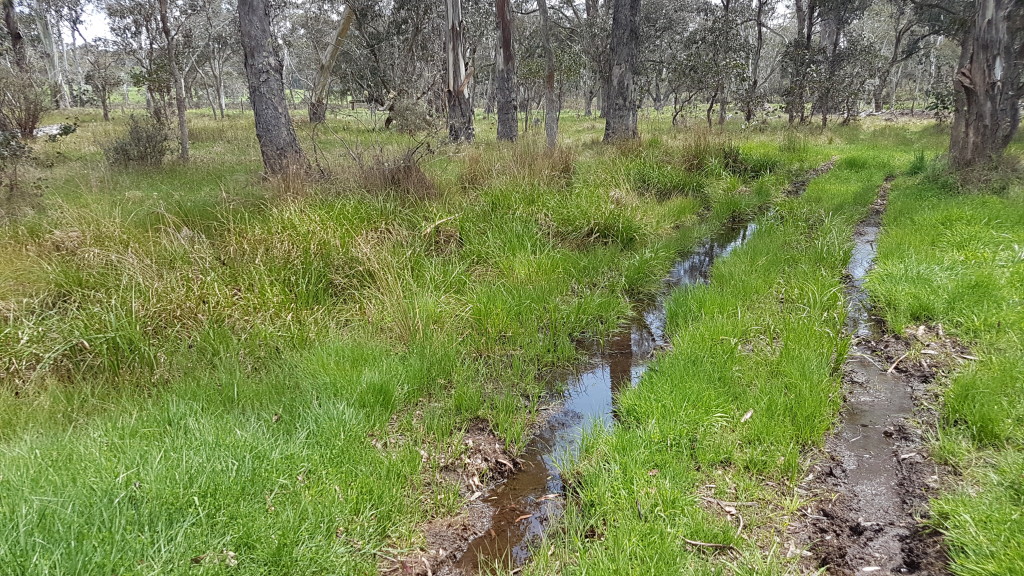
x=94 y=24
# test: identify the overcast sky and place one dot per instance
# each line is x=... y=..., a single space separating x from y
x=95 y=23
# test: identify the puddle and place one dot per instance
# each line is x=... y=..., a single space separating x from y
x=526 y=503
x=877 y=469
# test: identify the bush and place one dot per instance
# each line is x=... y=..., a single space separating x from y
x=12 y=153
x=22 y=104
x=402 y=173
x=146 y=144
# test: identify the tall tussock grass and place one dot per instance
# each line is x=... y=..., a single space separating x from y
x=525 y=161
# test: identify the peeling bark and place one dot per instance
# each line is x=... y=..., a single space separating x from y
x=318 y=96
x=551 y=108
x=505 y=75
x=460 y=108
x=987 y=85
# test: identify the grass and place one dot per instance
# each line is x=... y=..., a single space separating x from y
x=954 y=258
x=750 y=385
x=205 y=374
x=201 y=373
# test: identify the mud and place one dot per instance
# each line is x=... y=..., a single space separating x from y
x=799 y=186
x=873 y=485
x=481 y=463
x=509 y=507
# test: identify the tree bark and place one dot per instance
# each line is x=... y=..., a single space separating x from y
x=550 y=102
x=460 y=108
x=986 y=86
x=17 y=40
x=620 y=106
x=505 y=75
x=264 y=71
x=755 y=63
x=179 y=82
x=318 y=96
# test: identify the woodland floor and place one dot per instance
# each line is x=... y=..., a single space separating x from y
x=203 y=373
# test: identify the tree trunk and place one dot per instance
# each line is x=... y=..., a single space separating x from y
x=986 y=84
x=17 y=40
x=318 y=96
x=105 y=103
x=550 y=102
x=51 y=57
x=620 y=106
x=755 y=63
x=264 y=72
x=460 y=109
x=505 y=76
x=179 y=82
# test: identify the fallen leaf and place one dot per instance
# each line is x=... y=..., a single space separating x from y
x=747 y=415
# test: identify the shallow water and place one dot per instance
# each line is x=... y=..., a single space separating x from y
x=526 y=503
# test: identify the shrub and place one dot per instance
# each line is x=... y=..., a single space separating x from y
x=396 y=173
x=146 y=145
x=22 y=104
x=12 y=153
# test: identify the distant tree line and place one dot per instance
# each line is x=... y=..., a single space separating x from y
x=422 y=62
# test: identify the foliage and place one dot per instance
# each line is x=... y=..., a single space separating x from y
x=13 y=152
x=22 y=103
x=145 y=145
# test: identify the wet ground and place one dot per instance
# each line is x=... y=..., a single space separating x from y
x=532 y=497
x=499 y=525
x=873 y=486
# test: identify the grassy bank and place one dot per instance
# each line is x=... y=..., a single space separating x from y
x=710 y=445
x=954 y=257
x=203 y=373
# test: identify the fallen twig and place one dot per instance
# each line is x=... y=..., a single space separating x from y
x=708 y=544
x=894 y=364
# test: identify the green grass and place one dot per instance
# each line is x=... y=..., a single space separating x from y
x=956 y=259
x=157 y=323
x=764 y=338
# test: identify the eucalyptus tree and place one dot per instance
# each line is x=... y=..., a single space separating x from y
x=457 y=92
x=103 y=74
x=551 y=105
x=17 y=38
x=620 y=105
x=264 y=70
x=902 y=34
x=170 y=36
x=218 y=55
x=325 y=68
x=505 y=74
x=988 y=83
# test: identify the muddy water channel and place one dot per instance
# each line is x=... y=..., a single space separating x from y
x=530 y=499
x=875 y=480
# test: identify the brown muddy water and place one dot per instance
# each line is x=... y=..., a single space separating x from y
x=531 y=499
x=875 y=479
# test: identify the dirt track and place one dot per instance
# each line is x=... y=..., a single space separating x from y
x=873 y=484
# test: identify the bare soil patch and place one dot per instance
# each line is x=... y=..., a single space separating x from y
x=871 y=487
x=482 y=464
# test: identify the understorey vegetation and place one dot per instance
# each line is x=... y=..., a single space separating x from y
x=199 y=370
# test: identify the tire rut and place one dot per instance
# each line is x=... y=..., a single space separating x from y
x=873 y=484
